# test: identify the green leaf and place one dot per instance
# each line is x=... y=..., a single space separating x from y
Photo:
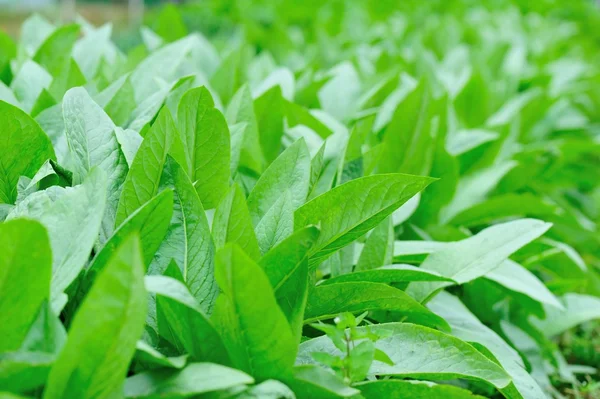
x=254 y=329
x=289 y=172
x=277 y=223
x=104 y=332
x=347 y=212
x=389 y=274
x=241 y=109
x=143 y=180
x=24 y=371
x=151 y=222
x=468 y=328
x=8 y=51
x=419 y=352
x=72 y=217
x=69 y=76
x=194 y=379
x=468 y=259
x=51 y=54
x=184 y=319
x=397 y=389
x=206 y=137
x=149 y=358
x=93 y=143
x=232 y=223
x=270 y=112
x=327 y=301
x=314 y=382
x=24 y=148
x=286 y=266
x=29 y=83
x=516 y=278
x=188 y=241
x=25 y=272
x=578 y=308
x=379 y=247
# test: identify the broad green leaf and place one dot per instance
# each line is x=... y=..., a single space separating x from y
x=24 y=371
x=51 y=54
x=241 y=109
x=8 y=50
x=69 y=76
x=194 y=379
x=409 y=139
x=92 y=48
x=468 y=328
x=232 y=223
x=188 y=241
x=516 y=278
x=327 y=301
x=160 y=65
x=389 y=274
x=149 y=358
x=466 y=140
x=24 y=148
x=468 y=259
x=379 y=247
x=206 y=137
x=286 y=266
x=25 y=272
x=29 y=83
x=339 y=95
x=118 y=101
x=270 y=111
x=93 y=143
x=104 y=332
x=311 y=381
x=269 y=389
x=349 y=211
x=254 y=329
x=151 y=222
x=397 y=389
x=72 y=217
x=419 y=352
x=143 y=180
x=185 y=320
x=34 y=31
x=130 y=142
x=276 y=224
x=578 y=308
x=289 y=172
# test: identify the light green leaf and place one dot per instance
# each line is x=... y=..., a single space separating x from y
x=150 y=358
x=51 y=53
x=232 y=223
x=25 y=272
x=270 y=112
x=104 y=332
x=72 y=217
x=189 y=328
x=516 y=278
x=151 y=222
x=397 y=389
x=254 y=329
x=130 y=142
x=327 y=301
x=348 y=211
x=289 y=172
x=468 y=259
x=286 y=266
x=24 y=148
x=277 y=223
x=311 y=381
x=419 y=352
x=188 y=241
x=389 y=274
x=93 y=143
x=241 y=109
x=29 y=83
x=468 y=328
x=578 y=308
x=143 y=180
x=206 y=137
x=194 y=379
x=379 y=247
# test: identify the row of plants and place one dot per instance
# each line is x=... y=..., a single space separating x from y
x=342 y=199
